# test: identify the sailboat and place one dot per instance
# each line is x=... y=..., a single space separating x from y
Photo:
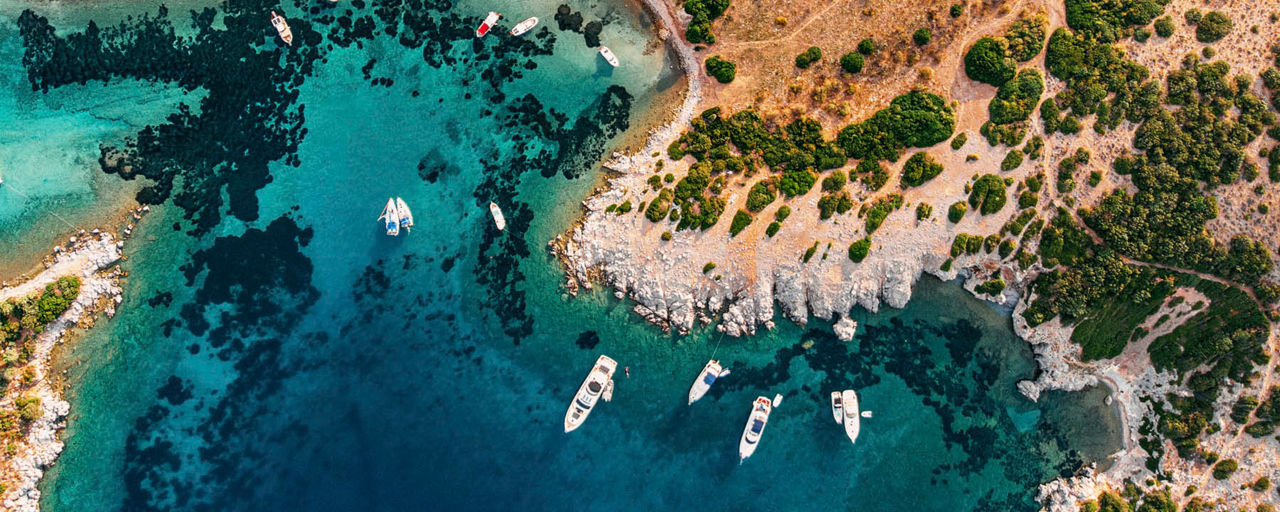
x=391 y=215
x=487 y=24
x=406 y=216
x=609 y=56
x=524 y=26
x=710 y=373
x=282 y=28
x=498 y=219
x=598 y=384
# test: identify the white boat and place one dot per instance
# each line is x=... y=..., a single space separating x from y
x=524 y=26
x=837 y=407
x=609 y=56
x=487 y=23
x=391 y=216
x=852 y=420
x=599 y=382
x=406 y=216
x=756 y=422
x=282 y=28
x=710 y=373
x=498 y=219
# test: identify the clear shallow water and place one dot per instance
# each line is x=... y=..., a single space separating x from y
x=286 y=355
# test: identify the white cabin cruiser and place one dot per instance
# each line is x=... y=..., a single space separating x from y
x=837 y=407
x=609 y=56
x=756 y=422
x=282 y=28
x=391 y=215
x=524 y=26
x=852 y=420
x=599 y=384
x=498 y=219
x=710 y=373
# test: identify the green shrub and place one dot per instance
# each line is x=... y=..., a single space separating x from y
x=859 y=249
x=722 y=70
x=1007 y=247
x=852 y=62
x=783 y=212
x=796 y=182
x=808 y=57
x=836 y=181
x=867 y=46
x=922 y=36
x=1017 y=98
x=924 y=211
x=703 y=12
x=1164 y=26
x=987 y=62
x=956 y=10
x=1011 y=161
x=992 y=287
x=880 y=209
x=772 y=229
x=1141 y=35
x=708 y=267
x=1028 y=199
x=959 y=140
x=740 y=222
x=1025 y=37
x=874 y=176
x=1105 y=20
x=808 y=253
x=1213 y=27
x=957 y=211
x=988 y=194
x=1223 y=469
x=1193 y=16
x=914 y=119
x=761 y=195
x=830 y=204
x=666 y=236
x=921 y=167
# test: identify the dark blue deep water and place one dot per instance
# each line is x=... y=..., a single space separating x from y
x=276 y=351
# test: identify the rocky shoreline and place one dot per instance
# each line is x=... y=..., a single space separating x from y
x=92 y=257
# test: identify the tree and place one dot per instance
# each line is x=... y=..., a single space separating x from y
x=835 y=182
x=922 y=36
x=723 y=70
x=987 y=62
x=1164 y=26
x=859 y=249
x=867 y=46
x=1017 y=98
x=808 y=57
x=852 y=62
x=1212 y=27
x=921 y=167
x=988 y=194
x=957 y=211
x=740 y=222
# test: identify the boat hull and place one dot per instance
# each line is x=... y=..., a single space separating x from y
x=837 y=407
x=498 y=219
x=487 y=24
x=598 y=382
x=406 y=216
x=751 y=435
x=700 y=385
x=524 y=26
x=391 y=218
x=609 y=56
x=852 y=420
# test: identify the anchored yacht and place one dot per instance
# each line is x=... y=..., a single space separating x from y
x=852 y=420
x=710 y=373
x=282 y=28
x=609 y=56
x=498 y=219
x=756 y=422
x=524 y=26
x=391 y=215
x=406 y=216
x=487 y=24
x=599 y=384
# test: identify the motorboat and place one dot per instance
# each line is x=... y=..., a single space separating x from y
x=391 y=216
x=837 y=407
x=598 y=384
x=609 y=56
x=710 y=373
x=756 y=422
x=498 y=219
x=524 y=26
x=406 y=216
x=487 y=24
x=852 y=420
x=282 y=28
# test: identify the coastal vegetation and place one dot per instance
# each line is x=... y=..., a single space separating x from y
x=722 y=70
x=21 y=320
x=703 y=13
x=920 y=168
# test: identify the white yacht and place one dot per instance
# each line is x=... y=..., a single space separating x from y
x=391 y=215
x=282 y=28
x=498 y=219
x=837 y=407
x=609 y=56
x=756 y=422
x=599 y=384
x=524 y=26
x=406 y=216
x=852 y=420
x=710 y=373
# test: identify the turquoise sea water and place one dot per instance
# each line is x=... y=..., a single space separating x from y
x=275 y=351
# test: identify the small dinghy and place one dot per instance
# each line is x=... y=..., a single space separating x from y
x=282 y=28
x=498 y=219
x=710 y=373
x=599 y=384
x=487 y=24
x=852 y=420
x=609 y=56
x=524 y=26
x=391 y=216
x=837 y=407
x=756 y=422
x=406 y=216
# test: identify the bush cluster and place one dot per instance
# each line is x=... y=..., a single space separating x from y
x=852 y=62
x=859 y=249
x=914 y=119
x=921 y=167
x=808 y=57
x=1016 y=98
x=1212 y=27
x=722 y=70
x=988 y=194
x=703 y=12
